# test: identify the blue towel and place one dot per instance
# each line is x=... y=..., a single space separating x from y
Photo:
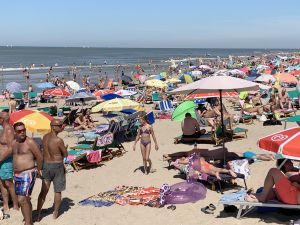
x=235 y=196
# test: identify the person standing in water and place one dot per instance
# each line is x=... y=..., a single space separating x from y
x=144 y=133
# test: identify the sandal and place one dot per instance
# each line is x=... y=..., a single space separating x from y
x=207 y=210
x=172 y=207
x=212 y=207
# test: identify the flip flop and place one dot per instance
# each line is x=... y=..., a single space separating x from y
x=172 y=207
x=212 y=207
x=5 y=216
x=207 y=210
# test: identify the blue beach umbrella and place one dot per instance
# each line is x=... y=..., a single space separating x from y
x=45 y=85
x=110 y=96
x=13 y=87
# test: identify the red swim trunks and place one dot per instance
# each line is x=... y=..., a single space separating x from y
x=286 y=192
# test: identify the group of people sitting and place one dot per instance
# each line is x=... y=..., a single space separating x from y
x=84 y=120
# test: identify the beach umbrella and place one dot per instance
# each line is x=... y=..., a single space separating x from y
x=217 y=83
x=265 y=78
x=283 y=143
x=117 y=104
x=45 y=85
x=13 y=87
x=81 y=97
x=57 y=92
x=225 y=94
x=205 y=67
x=110 y=96
x=286 y=78
x=295 y=72
x=173 y=80
x=155 y=83
x=182 y=109
x=99 y=93
x=73 y=85
x=126 y=79
x=35 y=121
x=125 y=92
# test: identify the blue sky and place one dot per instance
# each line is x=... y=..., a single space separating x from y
x=151 y=23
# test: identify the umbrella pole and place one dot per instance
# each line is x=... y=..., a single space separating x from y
x=222 y=126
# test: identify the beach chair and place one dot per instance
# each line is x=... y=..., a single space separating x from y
x=155 y=97
x=245 y=207
x=18 y=97
x=32 y=96
x=294 y=94
x=70 y=118
x=82 y=159
x=166 y=106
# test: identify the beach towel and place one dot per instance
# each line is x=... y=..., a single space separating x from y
x=240 y=166
x=104 y=140
x=94 y=156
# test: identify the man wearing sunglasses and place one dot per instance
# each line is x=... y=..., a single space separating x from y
x=6 y=164
x=27 y=161
x=54 y=153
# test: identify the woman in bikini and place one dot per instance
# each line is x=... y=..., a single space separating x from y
x=144 y=134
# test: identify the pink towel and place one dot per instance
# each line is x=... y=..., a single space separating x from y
x=94 y=156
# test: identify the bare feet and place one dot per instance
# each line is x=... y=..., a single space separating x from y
x=233 y=174
x=55 y=214
x=251 y=198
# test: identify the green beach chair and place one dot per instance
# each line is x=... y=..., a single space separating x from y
x=32 y=96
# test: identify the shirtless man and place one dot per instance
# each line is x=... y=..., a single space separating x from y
x=12 y=104
x=53 y=167
x=27 y=165
x=6 y=164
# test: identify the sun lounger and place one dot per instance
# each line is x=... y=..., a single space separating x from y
x=249 y=206
x=210 y=136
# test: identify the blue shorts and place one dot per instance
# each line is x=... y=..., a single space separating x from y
x=24 y=182
x=249 y=155
x=6 y=169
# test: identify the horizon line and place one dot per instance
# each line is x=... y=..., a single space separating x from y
x=250 y=48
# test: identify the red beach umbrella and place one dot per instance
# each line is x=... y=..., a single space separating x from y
x=284 y=143
x=57 y=92
x=99 y=93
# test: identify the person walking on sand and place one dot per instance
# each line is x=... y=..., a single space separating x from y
x=144 y=133
x=27 y=161
x=6 y=165
x=53 y=167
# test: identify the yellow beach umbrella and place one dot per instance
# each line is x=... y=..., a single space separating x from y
x=35 y=121
x=155 y=83
x=173 y=80
x=116 y=104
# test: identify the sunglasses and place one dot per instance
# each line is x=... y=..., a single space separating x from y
x=21 y=131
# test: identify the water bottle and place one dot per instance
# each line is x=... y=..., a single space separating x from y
x=60 y=112
x=195 y=145
x=291 y=222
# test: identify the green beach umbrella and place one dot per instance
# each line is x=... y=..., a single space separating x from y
x=182 y=109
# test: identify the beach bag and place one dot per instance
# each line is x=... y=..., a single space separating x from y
x=240 y=166
x=104 y=140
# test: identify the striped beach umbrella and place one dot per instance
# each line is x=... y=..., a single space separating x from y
x=283 y=143
x=225 y=94
x=57 y=92
x=35 y=121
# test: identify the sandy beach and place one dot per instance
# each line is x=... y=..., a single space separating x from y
x=125 y=171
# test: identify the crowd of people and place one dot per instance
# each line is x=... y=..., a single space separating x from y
x=22 y=161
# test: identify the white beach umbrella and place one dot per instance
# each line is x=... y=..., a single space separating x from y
x=73 y=85
x=217 y=83
x=265 y=78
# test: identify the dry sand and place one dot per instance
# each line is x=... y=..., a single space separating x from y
x=122 y=171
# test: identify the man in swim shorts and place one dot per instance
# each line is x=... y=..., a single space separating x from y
x=6 y=164
x=26 y=155
x=53 y=167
